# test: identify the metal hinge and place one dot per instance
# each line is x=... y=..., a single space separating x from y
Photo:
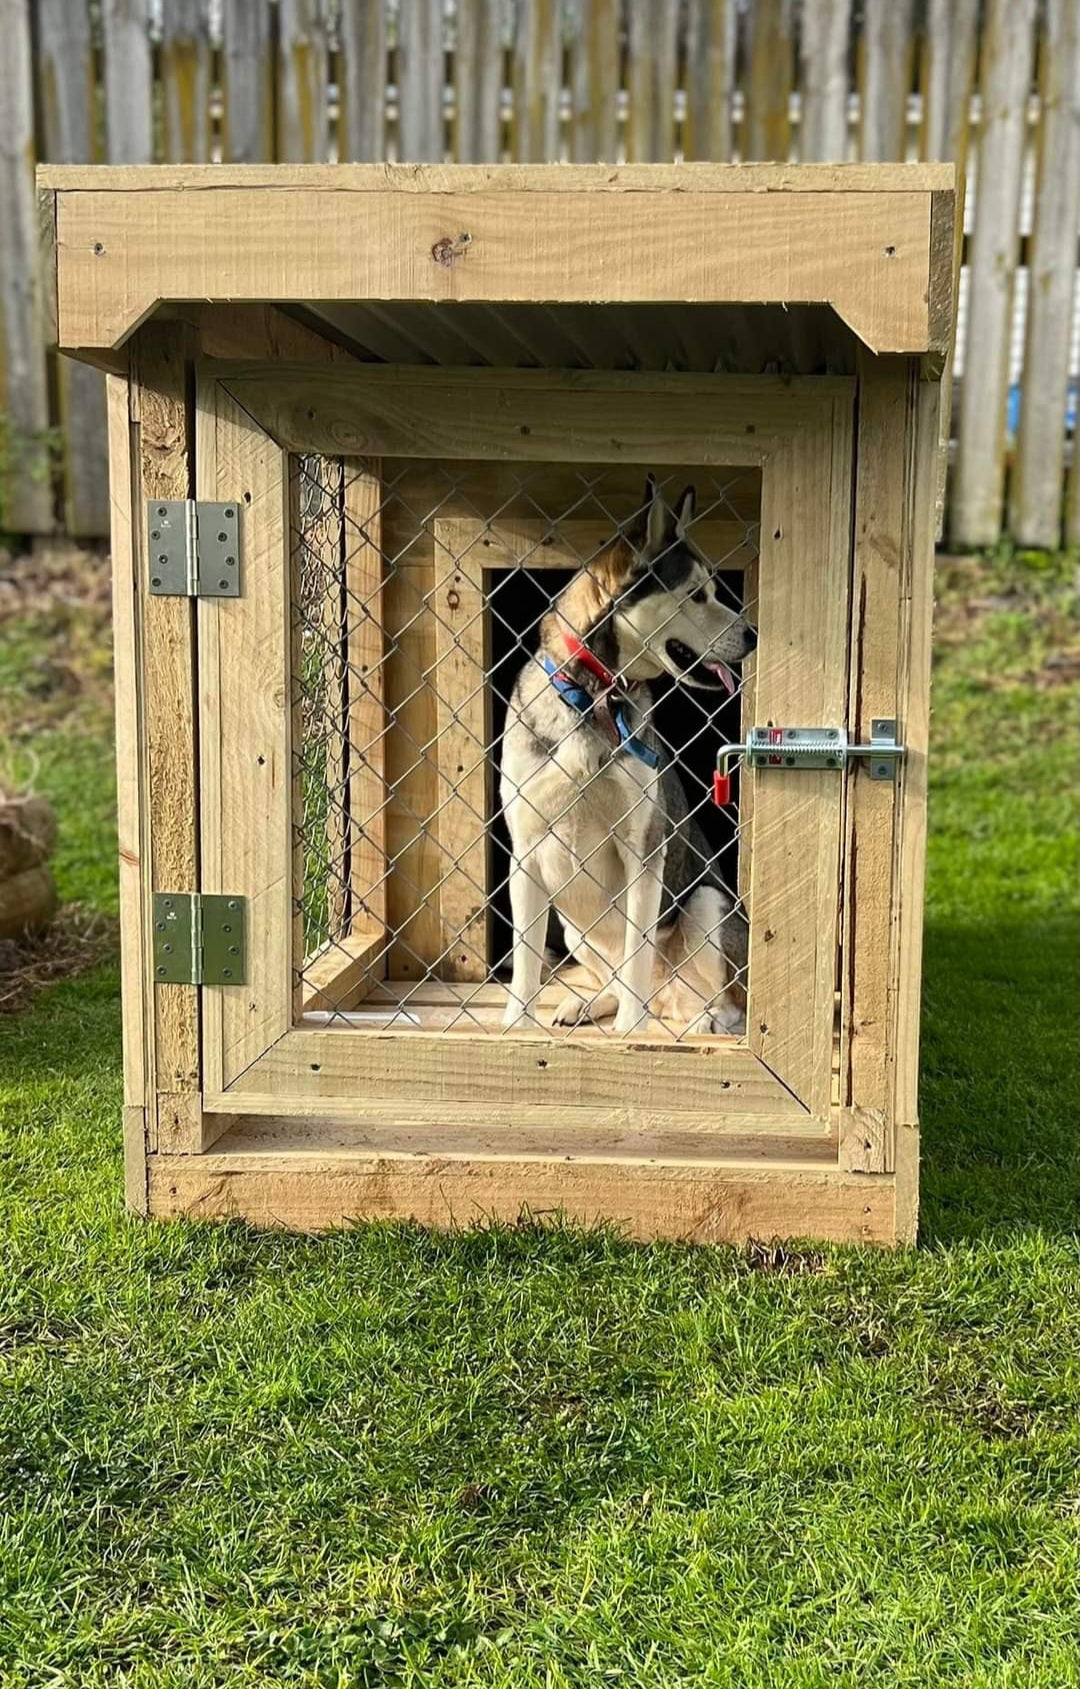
x=199 y=939
x=194 y=548
x=810 y=747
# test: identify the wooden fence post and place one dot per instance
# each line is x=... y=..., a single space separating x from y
x=823 y=60
x=975 y=517
x=362 y=81
x=247 y=83
x=1035 y=506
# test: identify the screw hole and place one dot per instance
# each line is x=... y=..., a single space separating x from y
x=541 y=1063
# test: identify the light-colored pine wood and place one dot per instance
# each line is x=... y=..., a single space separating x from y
x=651 y=50
x=948 y=75
x=1005 y=78
x=710 y=78
x=867 y=254
x=478 y=79
x=884 y=515
x=365 y=644
x=128 y=83
x=469 y=1068
x=766 y=125
x=302 y=73
x=886 y=79
x=185 y=81
x=362 y=79
x=594 y=77
x=26 y=495
x=167 y=669
x=537 y=71
x=131 y=769
x=823 y=62
x=1035 y=502
x=245 y=719
x=802 y=619
x=420 y=82
x=65 y=72
x=247 y=78
x=689 y=177
x=520 y=416
x=683 y=1202
x=342 y=972
x=458 y=604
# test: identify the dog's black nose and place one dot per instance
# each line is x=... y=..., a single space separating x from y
x=749 y=639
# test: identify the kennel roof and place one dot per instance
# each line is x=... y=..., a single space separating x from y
x=684 y=266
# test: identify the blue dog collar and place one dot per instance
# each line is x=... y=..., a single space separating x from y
x=584 y=703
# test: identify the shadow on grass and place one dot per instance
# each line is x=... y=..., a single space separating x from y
x=1000 y=1101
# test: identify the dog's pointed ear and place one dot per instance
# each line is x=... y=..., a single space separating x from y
x=659 y=521
x=685 y=506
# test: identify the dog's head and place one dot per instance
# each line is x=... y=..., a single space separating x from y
x=669 y=616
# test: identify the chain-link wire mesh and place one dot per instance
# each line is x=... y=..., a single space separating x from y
x=509 y=686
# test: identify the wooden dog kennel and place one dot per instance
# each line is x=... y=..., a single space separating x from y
x=363 y=422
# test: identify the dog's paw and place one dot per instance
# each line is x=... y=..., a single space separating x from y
x=722 y=1017
x=572 y=1010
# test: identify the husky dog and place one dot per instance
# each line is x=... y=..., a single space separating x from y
x=598 y=819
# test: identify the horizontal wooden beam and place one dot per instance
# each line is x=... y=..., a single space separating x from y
x=688 y=1201
x=300 y=240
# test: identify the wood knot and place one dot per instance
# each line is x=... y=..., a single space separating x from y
x=450 y=248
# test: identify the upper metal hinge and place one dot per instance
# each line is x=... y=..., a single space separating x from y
x=193 y=548
x=199 y=939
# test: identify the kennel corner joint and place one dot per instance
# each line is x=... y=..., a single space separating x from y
x=356 y=416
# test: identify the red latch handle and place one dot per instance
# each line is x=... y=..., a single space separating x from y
x=721 y=788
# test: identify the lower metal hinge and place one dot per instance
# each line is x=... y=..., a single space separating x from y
x=193 y=548
x=199 y=939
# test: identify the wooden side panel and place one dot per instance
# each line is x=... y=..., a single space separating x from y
x=463 y=750
x=162 y=406
x=1040 y=458
x=245 y=735
x=136 y=987
x=803 y=588
x=880 y=629
x=978 y=483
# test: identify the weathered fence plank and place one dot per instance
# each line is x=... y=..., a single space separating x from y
x=129 y=82
x=185 y=81
x=886 y=79
x=420 y=81
x=537 y=80
x=1005 y=80
x=1035 y=504
x=303 y=67
x=594 y=74
x=766 y=128
x=26 y=501
x=823 y=62
x=247 y=83
x=362 y=81
x=65 y=88
x=948 y=76
x=478 y=82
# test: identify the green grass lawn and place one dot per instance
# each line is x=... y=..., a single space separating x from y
x=534 y=1459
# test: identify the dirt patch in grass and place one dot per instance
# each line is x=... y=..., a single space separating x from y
x=1035 y=594
x=76 y=940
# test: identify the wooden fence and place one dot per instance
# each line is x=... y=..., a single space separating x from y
x=994 y=84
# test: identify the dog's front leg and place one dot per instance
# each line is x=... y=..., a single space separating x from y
x=640 y=907
x=529 y=906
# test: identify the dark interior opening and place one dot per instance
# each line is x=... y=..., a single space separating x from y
x=692 y=723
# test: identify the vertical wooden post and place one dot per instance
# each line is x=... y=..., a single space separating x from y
x=420 y=81
x=886 y=78
x=185 y=82
x=162 y=411
x=478 y=77
x=823 y=58
x=247 y=125
x=362 y=124
x=302 y=74
x=594 y=126
x=129 y=82
x=766 y=123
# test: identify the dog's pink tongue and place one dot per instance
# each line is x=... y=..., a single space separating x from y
x=724 y=673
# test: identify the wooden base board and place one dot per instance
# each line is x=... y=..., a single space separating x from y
x=691 y=1201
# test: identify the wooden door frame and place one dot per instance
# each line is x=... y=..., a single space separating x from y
x=798 y=433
